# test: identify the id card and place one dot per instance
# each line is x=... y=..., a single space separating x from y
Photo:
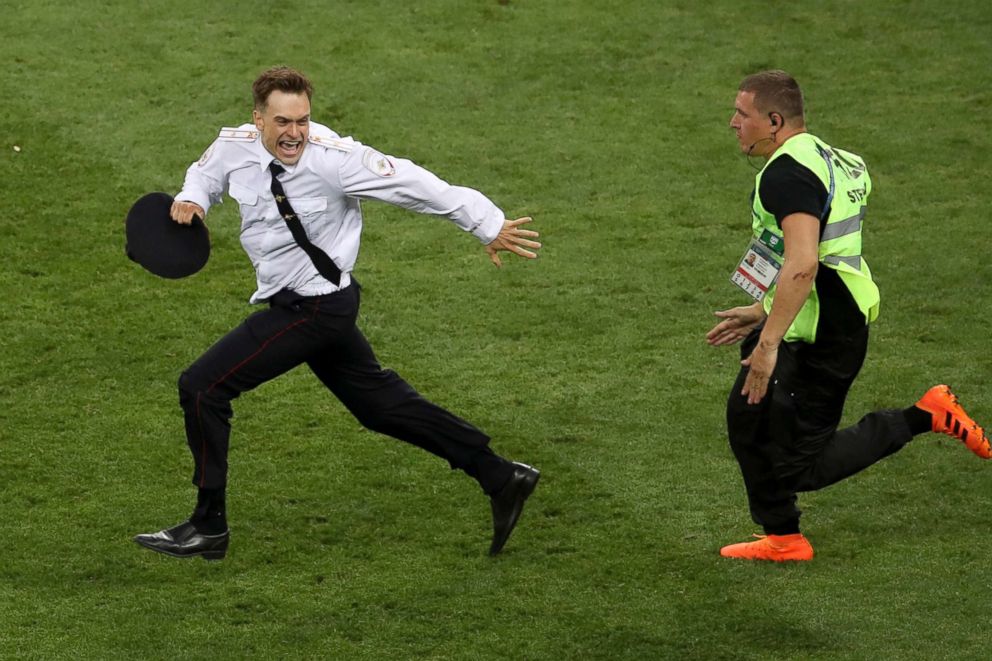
x=757 y=271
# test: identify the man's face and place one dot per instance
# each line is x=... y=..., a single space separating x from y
x=285 y=125
x=753 y=129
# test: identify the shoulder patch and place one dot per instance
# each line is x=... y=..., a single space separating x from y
x=238 y=135
x=340 y=144
x=206 y=155
x=378 y=163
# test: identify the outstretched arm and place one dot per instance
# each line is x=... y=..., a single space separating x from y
x=368 y=174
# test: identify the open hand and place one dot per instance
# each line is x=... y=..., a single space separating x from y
x=736 y=324
x=761 y=366
x=513 y=239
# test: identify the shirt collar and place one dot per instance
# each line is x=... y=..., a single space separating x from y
x=264 y=156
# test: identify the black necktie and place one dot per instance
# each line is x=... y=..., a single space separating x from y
x=325 y=265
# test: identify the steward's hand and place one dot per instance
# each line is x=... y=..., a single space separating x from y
x=762 y=364
x=736 y=324
x=183 y=212
x=513 y=239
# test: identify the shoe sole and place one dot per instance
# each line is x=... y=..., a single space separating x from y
x=758 y=558
x=765 y=551
x=217 y=554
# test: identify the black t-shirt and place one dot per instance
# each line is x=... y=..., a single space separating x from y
x=786 y=188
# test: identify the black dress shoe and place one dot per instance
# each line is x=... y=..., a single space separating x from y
x=183 y=541
x=508 y=503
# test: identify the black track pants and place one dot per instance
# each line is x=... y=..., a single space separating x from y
x=789 y=442
x=321 y=332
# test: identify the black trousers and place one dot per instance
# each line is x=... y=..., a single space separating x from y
x=321 y=332
x=789 y=442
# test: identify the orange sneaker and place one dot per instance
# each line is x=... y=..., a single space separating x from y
x=777 y=548
x=949 y=418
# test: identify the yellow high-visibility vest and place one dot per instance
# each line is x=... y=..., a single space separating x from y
x=848 y=185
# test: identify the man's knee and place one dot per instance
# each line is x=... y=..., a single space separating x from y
x=191 y=387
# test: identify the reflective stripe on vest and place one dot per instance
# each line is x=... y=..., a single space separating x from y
x=834 y=260
x=843 y=227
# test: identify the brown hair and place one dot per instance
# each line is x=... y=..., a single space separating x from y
x=775 y=91
x=283 y=79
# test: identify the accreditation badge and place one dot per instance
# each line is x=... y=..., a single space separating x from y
x=760 y=265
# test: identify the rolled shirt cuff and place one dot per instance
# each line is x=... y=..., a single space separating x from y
x=488 y=229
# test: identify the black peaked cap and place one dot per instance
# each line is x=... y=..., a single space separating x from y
x=160 y=244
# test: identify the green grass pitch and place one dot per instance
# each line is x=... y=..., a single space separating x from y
x=608 y=123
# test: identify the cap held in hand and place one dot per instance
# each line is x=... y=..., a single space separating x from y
x=160 y=244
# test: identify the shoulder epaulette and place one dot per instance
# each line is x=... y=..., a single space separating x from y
x=238 y=135
x=341 y=144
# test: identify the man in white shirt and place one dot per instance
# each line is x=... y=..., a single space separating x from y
x=298 y=186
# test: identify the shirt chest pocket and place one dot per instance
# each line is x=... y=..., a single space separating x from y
x=255 y=207
x=248 y=202
x=308 y=208
x=310 y=211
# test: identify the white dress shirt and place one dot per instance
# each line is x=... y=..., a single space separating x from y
x=324 y=188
